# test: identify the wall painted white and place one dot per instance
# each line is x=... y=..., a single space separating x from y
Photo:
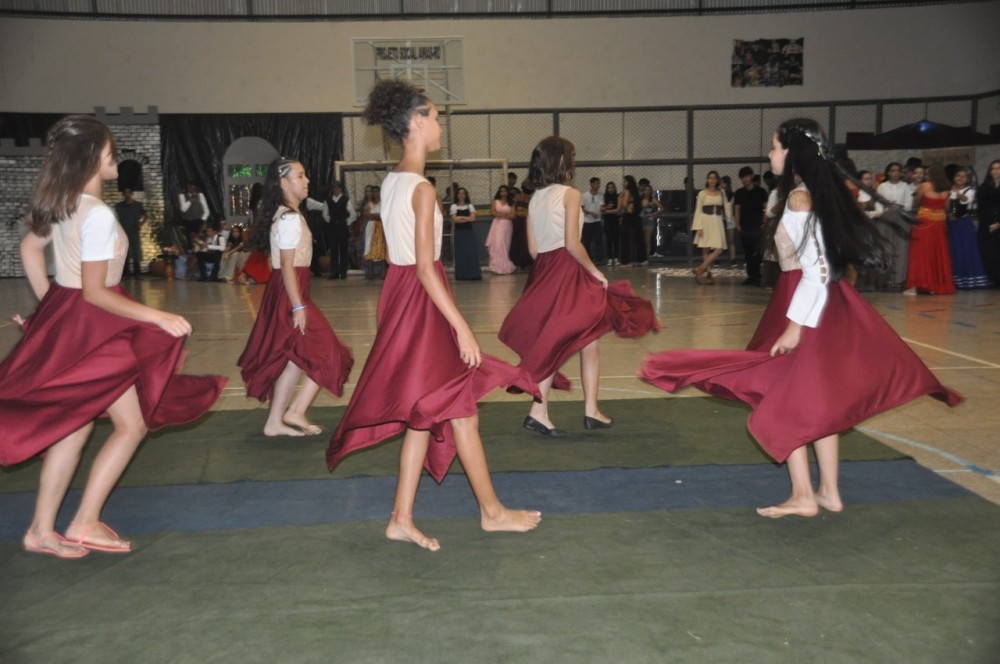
x=212 y=67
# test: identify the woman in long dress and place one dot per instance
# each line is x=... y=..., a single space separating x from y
x=463 y=219
x=290 y=338
x=425 y=370
x=501 y=230
x=966 y=261
x=800 y=372
x=88 y=350
x=928 y=268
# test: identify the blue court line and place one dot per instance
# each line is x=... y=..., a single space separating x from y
x=963 y=323
x=200 y=507
x=965 y=463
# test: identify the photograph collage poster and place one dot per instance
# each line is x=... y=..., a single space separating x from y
x=761 y=63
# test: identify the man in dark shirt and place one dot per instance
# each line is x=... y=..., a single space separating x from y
x=749 y=202
x=131 y=215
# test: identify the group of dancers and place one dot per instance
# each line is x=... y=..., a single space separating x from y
x=89 y=349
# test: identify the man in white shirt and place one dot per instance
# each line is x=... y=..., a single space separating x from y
x=593 y=226
x=338 y=215
x=194 y=208
x=893 y=227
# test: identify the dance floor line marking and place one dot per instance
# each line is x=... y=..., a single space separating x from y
x=950 y=352
x=250 y=504
x=961 y=461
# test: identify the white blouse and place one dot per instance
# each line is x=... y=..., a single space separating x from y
x=800 y=246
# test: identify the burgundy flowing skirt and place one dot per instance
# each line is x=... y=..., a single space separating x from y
x=563 y=308
x=274 y=342
x=929 y=264
x=851 y=367
x=75 y=360
x=414 y=377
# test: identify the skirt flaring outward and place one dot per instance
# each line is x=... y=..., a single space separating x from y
x=274 y=342
x=562 y=309
x=75 y=360
x=415 y=378
x=851 y=367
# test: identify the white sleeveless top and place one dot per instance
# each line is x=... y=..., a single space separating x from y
x=90 y=234
x=547 y=214
x=399 y=221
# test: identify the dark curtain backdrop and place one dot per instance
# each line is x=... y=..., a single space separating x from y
x=22 y=126
x=193 y=147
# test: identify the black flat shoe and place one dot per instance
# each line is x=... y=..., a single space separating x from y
x=531 y=424
x=594 y=423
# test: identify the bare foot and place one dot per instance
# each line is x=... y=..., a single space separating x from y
x=791 y=507
x=281 y=430
x=830 y=503
x=52 y=544
x=302 y=422
x=401 y=529
x=514 y=521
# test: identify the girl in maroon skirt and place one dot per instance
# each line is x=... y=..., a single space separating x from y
x=88 y=349
x=567 y=304
x=822 y=359
x=425 y=371
x=290 y=336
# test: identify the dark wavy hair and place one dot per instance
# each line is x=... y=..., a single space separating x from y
x=497 y=196
x=849 y=236
x=74 y=146
x=271 y=198
x=552 y=162
x=938 y=178
x=391 y=104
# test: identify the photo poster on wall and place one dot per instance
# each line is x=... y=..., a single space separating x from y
x=760 y=63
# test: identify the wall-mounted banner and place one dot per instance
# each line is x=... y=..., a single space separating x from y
x=758 y=63
x=435 y=64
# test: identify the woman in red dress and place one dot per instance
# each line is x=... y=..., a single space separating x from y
x=929 y=264
x=89 y=349
x=822 y=359
x=567 y=304
x=425 y=371
x=290 y=336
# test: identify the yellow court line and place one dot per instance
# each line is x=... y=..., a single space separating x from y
x=951 y=352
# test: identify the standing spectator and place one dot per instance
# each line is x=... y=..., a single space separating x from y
x=519 y=254
x=649 y=210
x=726 y=185
x=611 y=216
x=631 y=229
x=988 y=233
x=512 y=185
x=194 y=208
x=376 y=253
x=748 y=211
x=593 y=227
x=501 y=229
x=709 y=227
x=338 y=215
x=131 y=215
x=929 y=265
x=894 y=227
x=463 y=217
x=966 y=261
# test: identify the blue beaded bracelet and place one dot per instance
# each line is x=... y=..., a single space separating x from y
x=298 y=308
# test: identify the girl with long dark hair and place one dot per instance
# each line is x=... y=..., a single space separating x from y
x=88 y=350
x=708 y=226
x=631 y=230
x=567 y=305
x=463 y=218
x=425 y=370
x=290 y=338
x=966 y=261
x=928 y=268
x=501 y=230
x=822 y=359
x=612 y=224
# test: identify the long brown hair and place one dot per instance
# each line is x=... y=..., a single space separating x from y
x=74 y=145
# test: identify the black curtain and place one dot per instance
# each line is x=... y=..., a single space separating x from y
x=22 y=126
x=193 y=147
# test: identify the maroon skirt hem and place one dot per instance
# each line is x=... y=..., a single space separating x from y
x=414 y=377
x=849 y=368
x=75 y=360
x=274 y=342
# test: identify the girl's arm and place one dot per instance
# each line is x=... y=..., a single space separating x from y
x=291 y=285
x=95 y=273
x=33 y=261
x=424 y=204
x=571 y=235
x=532 y=246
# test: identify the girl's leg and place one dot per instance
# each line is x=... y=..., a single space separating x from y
x=493 y=516
x=275 y=425
x=58 y=467
x=647 y=234
x=109 y=464
x=540 y=409
x=296 y=413
x=731 y=239
x=802 y=502
x=590 y=376
x=411 y=466
x=828 y=458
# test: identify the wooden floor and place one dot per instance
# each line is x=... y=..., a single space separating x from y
x=958 y=336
